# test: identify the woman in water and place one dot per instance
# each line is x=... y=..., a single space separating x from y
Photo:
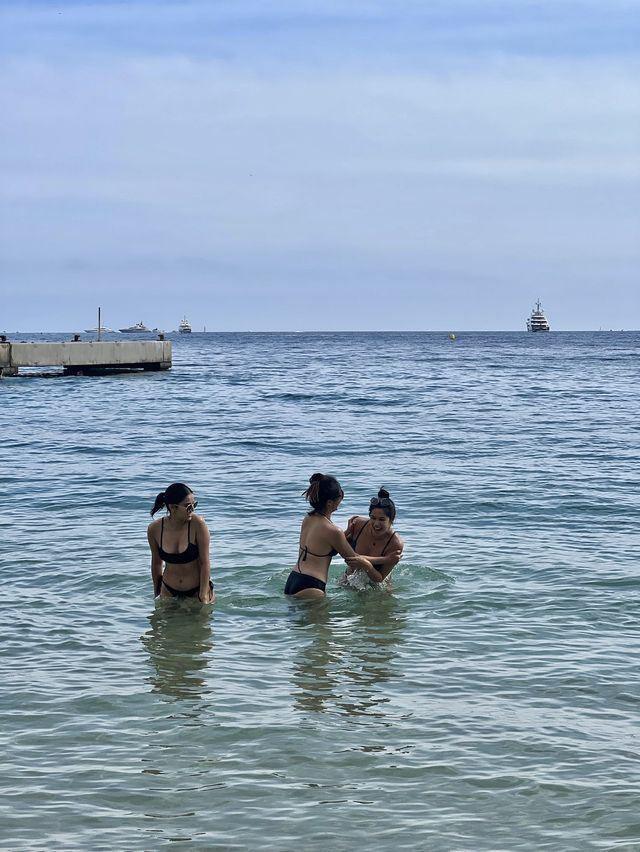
x=375 y=538
x=180 y=541
x=320 y=540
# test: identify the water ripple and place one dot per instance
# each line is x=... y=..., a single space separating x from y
x=487 y=698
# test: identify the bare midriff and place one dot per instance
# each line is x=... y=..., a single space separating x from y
x=182 y=577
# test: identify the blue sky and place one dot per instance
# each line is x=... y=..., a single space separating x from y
x=331 y=165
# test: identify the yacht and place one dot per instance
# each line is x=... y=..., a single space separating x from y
x=537 y=321
x=138 y=328
x=185 y=326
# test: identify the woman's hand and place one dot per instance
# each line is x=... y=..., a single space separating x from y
x=357 y=562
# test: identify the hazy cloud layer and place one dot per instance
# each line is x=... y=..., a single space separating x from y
x=367 y=165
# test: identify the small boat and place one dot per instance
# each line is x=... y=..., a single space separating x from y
x=537 y=321
x=138 y=328
x=185 y=326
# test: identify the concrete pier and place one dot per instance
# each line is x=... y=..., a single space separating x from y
x=79 y=358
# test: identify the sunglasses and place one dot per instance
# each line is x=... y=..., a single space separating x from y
x=190 y=507
x=379 y=501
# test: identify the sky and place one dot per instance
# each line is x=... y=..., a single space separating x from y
x=327 y=165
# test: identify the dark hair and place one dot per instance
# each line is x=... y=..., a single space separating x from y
x=384 y=502
x=322 y=488
x=173 y=495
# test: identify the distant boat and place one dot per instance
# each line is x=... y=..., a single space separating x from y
x=537 y=321
x=99 y=329
x=185 y=326
x=138 y=328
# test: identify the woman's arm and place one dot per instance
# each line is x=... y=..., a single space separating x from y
x=204 y=565
x=351 y=526
x=386 y=564
x=382 y=564
x=353 y=559
x=156 y=561
x=387 y=561
x=354 y=528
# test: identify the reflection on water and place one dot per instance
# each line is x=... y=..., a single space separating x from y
x=317 y=652
x=178 y=643
x=371 y=657
x=345 y=651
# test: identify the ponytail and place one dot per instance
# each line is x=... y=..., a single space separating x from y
x=158 y=504
x=312 y=494
x=322 y=488
x=173 y=495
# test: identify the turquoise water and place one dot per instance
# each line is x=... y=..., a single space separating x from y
x=489 y=701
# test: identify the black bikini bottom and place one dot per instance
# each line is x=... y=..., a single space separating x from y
x=296 y=582
x=180 y=594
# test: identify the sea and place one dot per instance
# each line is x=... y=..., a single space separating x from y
x=488 y=698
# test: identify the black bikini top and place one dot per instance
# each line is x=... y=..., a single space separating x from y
x=304 y=552
x=188 y=555
x=354 y=541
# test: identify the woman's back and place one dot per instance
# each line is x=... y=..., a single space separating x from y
x=316 y=548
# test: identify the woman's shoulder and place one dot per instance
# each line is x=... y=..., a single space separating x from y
x=154 y=525
x=317 y=524
x=312 y=519
x=395 y=539
x=355 y=524
x=199 y=522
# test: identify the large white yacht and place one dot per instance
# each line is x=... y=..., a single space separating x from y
x=185 y=326
x=537 y=321
x=138 y=328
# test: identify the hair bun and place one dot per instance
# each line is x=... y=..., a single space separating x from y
x=316 y=477
x=383 y=493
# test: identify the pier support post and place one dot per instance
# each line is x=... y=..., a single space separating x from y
x=6 y=367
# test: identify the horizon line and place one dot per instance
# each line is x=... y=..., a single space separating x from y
x=336 y=331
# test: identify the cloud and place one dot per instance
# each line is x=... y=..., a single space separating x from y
x=287 y=32
x=134 y=155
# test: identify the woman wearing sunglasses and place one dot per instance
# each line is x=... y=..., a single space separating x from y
x=375 y=538
x=180 y=542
